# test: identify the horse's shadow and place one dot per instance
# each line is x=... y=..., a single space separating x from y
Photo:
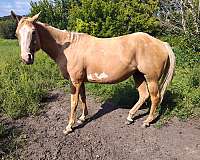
x=8 y=138
x=125 y=98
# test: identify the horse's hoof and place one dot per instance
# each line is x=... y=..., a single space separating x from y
x=82 y=119
x=127 y=122
x=145 y=125
x=67 y=131
x=79 y=121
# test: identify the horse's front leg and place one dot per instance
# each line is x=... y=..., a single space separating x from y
x=75 y=89
x=82 y=98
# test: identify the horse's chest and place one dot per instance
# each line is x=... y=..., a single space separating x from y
x=63 y=68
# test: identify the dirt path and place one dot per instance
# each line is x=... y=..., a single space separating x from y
x=105 y=137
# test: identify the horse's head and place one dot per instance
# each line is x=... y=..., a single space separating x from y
x=28 y=37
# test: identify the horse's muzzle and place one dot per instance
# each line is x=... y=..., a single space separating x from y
x=28 y=59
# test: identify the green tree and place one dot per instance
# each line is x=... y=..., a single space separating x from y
x=181 y=18
x=103 y=18
x=7 y=29
x=106 y=18
x=53 y=12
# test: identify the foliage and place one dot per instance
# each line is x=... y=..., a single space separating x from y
x=7 y=29
x=186 y=55
x=183 y=97
x=186 y=86
x=179 y=16
x=106 y=18
x=192 y=41
x=103 y=18
x=54 y=12
x=21 y=86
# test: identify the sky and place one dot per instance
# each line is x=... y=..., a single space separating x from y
x=20 y=7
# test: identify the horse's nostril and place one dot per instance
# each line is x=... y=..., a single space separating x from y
x=29 y=57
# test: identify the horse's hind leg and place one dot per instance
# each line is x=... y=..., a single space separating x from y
x=141 y=86
x=82 y=98
x=155 y=99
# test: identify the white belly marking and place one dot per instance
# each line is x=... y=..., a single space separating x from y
x=97 y=76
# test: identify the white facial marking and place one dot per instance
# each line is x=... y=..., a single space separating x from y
x=25 y=38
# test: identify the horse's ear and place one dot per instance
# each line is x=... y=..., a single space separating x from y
x=35 y=17
x=15 y=17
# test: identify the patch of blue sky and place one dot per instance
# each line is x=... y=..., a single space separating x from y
x=20 y=7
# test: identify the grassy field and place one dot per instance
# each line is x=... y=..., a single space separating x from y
x=22 y=87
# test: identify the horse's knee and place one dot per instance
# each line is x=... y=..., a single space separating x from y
x=145 y=96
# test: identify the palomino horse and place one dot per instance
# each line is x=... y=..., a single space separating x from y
x=84 y=58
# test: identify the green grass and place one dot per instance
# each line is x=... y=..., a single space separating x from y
x=21 y=90
x=183 y=96
x=121 y=94
x=21 y=86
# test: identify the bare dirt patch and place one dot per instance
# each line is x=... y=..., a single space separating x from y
x=105 y=136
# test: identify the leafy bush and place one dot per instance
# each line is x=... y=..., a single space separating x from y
x=185 y=92
x=106 y=18
x=186 y=55
x=54 y=12
x=193 y=41
x=103 y=18
x=7 y=29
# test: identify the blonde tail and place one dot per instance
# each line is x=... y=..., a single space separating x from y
x=168 y=73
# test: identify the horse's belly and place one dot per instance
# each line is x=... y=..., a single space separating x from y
x=108 y=77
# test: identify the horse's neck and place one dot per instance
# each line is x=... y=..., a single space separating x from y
x=52 y=40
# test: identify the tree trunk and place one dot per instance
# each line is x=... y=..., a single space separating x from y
x=183 y=21
x=192 y=10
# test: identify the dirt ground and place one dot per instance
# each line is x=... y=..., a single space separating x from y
x=105 y=136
